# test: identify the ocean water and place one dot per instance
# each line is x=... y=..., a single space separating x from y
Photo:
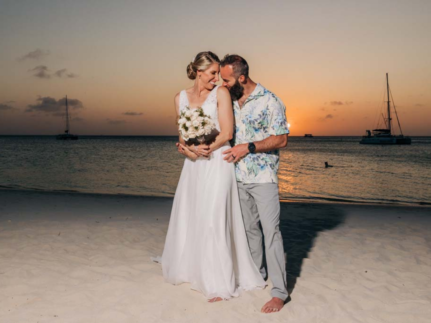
x=152 y=166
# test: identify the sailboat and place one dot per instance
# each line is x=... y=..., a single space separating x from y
x=384 y=136
x=66 y=135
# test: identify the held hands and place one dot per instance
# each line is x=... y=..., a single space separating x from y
x=236 y=153
x=202 y=150
x=193 y=152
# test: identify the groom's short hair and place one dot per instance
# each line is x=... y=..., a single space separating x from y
x=239 y=64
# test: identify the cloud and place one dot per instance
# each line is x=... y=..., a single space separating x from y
x=36 y=55
x=4 y=107
x=325 y=118
x=336 y=103
x=419 y=105
x=52 y=106
x=116 y=122
x=64 y=74
x=133 y=113
x=78 y=119
x=340 y=102
x=41 y=72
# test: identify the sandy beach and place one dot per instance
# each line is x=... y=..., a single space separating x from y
x=68 y=257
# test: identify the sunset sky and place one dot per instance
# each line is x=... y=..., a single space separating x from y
x=122 y=62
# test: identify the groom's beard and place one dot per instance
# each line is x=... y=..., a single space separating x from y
x=236 y=91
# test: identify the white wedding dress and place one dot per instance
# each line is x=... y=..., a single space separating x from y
x=206 y=244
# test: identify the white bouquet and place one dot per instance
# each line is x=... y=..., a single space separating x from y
x=195 y=124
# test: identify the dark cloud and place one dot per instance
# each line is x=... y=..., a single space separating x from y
x=64 y=74
x=4 y=107
x=340 y=102
x=36 y=55
x=41 y=72
x=325 y=118
x=133 y=113
x=116 y=122
x=52 y=106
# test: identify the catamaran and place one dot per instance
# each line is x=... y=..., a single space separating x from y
x=384 y=136
x=66 y=135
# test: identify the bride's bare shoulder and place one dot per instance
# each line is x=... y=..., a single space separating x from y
x=223 y=92
x=177 y=98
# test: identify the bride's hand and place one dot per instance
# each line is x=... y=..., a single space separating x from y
x=184 y=150
x=202 y=150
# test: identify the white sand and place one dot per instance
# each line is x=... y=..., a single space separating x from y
x=86 y=258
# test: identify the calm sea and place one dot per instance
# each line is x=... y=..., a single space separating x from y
x=152 y=166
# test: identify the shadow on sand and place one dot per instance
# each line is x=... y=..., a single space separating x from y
x=300 y=225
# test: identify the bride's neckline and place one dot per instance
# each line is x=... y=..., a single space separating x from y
x=206 y=99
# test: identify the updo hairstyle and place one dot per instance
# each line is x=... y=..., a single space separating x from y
x=202 y=61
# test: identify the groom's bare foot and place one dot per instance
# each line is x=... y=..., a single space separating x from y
x=274 y=305
x=215 y=299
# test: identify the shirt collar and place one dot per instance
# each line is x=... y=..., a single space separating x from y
x=258 y=91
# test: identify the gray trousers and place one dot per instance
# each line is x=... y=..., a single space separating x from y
x=260 y=202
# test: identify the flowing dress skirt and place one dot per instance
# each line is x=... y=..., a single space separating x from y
x=206 y=244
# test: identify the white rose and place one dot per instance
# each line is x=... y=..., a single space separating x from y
x=192 y=135
x=188 y=124
x=208 y=129
x=182 y=121
x=188 y=113
x=196 y=123
x=201 y=132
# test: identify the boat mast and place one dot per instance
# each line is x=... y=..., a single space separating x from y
x=389 y=105
x=67 y=117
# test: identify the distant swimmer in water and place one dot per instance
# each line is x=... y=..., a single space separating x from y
x=327 y=165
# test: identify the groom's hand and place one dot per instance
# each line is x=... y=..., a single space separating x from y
x=236 y=153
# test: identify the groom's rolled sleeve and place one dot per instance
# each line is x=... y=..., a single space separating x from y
x=278 y=122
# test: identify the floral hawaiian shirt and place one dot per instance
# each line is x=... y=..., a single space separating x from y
x=262 y=115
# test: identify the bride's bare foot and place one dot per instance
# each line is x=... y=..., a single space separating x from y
x=215 y=299
x=274 y=305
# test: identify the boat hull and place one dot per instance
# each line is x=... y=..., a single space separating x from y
x=67 y=137
x=392 y=140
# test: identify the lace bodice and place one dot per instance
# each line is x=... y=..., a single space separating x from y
x=209 y=106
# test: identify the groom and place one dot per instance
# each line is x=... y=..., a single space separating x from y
x=260 y=130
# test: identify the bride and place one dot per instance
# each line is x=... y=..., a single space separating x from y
x=206 y=243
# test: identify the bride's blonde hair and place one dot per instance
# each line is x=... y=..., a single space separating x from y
x=201 y=62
